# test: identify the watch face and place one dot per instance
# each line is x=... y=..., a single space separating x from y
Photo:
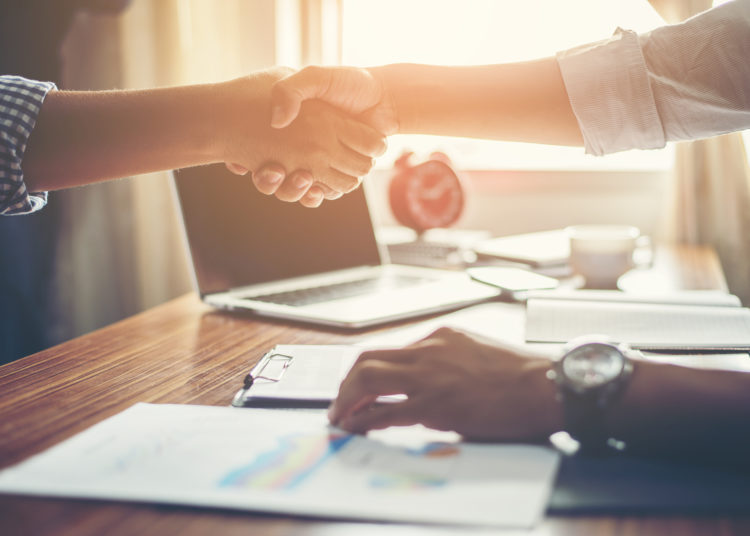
x=592 y=365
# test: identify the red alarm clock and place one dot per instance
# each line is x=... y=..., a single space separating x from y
x=426 y=195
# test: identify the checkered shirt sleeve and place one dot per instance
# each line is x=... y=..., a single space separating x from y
x=20 y=102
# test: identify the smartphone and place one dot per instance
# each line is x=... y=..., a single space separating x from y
x=512 y=279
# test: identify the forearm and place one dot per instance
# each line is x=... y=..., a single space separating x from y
x=85 y=137
x=515 y=102
x=678 y=410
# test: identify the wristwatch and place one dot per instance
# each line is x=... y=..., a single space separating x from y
x=590 y=376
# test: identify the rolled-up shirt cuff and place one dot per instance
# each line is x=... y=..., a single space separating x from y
x=608 y=88
x=20 y=103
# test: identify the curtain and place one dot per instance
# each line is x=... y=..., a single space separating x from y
x=709 y=200
x=121 y=248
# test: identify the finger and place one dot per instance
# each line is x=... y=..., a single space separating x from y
x=337 y=412
x=295 y=186
x=340 y=181
x=440 y=337
x=351 y=162
x=381 y=416
x=237 y=169
x=268 y=178
x=363 y=139
x=367 y=381
x=407 y=354
x=390 y=355
x=328 y=192
x=313 y=198
x=288 y=93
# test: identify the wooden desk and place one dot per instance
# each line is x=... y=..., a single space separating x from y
x=184 y=352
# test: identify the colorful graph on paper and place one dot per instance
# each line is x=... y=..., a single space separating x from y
x=291 y=462
x=297 y=457
x=285 y=467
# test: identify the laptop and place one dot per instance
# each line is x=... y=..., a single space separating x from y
x=251 y=251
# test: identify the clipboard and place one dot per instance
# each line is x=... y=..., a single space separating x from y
x=296 y=376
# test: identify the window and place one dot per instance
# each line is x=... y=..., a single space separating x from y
x=463 y=32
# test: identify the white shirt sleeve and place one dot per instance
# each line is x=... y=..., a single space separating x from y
x=679 y=82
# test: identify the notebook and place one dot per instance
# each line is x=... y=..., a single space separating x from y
x=647 y=326
x=324 y=266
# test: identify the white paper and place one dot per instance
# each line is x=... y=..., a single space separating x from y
x=683 y=297
x=739 y=362
x=503 y=322
x=647 y=326
x=292 y=462
x=313 y=373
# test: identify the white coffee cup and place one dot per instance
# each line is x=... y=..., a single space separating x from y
x=602 y=253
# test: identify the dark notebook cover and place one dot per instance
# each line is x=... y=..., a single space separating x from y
x=629 y=484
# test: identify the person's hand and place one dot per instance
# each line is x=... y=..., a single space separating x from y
x=322 y=142
x=360 y=92
x=357 y=91
x=452 y=381
x=271 y=176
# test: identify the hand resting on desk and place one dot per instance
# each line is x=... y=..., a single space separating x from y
x=485 y=391
x=453 y=381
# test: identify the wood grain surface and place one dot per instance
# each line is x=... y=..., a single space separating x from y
x=185 y=352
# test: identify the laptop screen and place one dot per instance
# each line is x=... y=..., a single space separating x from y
x=239 y=237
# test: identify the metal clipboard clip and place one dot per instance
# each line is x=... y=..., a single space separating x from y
x=270 y=369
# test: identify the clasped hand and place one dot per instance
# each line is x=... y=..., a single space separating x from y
x=321 y=144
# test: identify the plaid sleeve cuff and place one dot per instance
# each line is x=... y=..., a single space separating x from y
x=20 y=102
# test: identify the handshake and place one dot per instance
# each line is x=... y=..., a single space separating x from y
x=313 y=134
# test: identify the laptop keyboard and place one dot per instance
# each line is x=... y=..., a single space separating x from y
x=337 y=291
x=419 y=253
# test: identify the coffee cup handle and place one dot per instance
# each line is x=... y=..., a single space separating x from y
x=643 y=254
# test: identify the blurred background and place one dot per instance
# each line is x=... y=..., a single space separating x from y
x=104 y=252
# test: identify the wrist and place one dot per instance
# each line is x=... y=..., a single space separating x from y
x=547 y=408
x=242 y=119
x=390 y=81
x=213 y=123
x=418 y=95
x=242 y=108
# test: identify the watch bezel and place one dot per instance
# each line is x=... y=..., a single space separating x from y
x=585 y=406
x=575 y=352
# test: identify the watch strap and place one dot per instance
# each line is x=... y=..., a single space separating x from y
x=585 y=420
x=585 y=413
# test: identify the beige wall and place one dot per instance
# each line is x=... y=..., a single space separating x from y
x=509 y=202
